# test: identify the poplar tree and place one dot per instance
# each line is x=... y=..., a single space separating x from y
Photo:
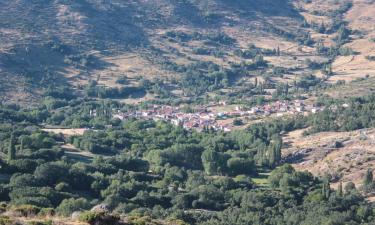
x=12 y=148
x=339 y=190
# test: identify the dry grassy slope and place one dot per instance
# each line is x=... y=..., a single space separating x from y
x=317 y=154
x=361 y=19
x=120 y=33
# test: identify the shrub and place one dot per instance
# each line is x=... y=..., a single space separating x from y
x=3 y=207
x=68 y=206
x=26 y=210
x=97 y=218
x=5 y=220
x=23 y=165
x=47 y=212
x=65 y=187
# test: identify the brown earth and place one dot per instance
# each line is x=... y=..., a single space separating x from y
x=319 y=154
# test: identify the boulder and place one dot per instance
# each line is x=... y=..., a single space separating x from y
x=100 y=208
x=75 y=215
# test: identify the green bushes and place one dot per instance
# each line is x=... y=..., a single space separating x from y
x=5 y=220
x=159 y=170
x=252 y=51
x=109 y=92
x=97 y=218
x=336 y=117
x=68 y=206
x=47 y=212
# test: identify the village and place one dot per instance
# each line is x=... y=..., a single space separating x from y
x=207 y=117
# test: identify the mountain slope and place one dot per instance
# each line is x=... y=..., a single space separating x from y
x=61 y=42
x=51 y=42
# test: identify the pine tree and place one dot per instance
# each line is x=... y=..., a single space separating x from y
x=12 y=148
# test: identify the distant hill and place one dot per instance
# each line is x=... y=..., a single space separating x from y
x=62 y=42
x=48 y=42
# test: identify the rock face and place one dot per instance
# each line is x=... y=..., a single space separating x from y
x=100 y=208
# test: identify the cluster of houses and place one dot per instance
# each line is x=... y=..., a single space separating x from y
x=281 y=108
x=201 y=118
x=204 y=117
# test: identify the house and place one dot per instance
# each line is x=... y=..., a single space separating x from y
x=227 y=129
x=176 y=122
x=300 y=108
x=119 y=116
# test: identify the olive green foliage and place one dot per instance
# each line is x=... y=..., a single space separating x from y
x=94 y=218
x=157 y=170
x=356 y=113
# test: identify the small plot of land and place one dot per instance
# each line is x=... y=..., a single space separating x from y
x=345 y=156
x=349 y=68
x=359 y=87
x=262 y=180
x=66 y=131
x=76 y=154
x=361 y=17
x=70 y=150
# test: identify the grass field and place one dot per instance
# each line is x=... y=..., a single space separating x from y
x=262 y=179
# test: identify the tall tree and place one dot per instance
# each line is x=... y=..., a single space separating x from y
x=12 y=148
x=274 y=152
x=369 y=178
x=339 y=190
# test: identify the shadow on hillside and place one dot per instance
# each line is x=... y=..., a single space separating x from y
x=84 y=24
x=44 y=64
x=186 y=11
x=265 y=7
x=189 y=12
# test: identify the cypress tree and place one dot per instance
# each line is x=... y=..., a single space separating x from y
x=326 y=190
x=339 y=190
x=272 y=156
x=12 y=148
x=22 y=143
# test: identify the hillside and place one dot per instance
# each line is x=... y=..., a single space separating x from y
x=57 y=42
x=319 y=154
x=174 y=112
